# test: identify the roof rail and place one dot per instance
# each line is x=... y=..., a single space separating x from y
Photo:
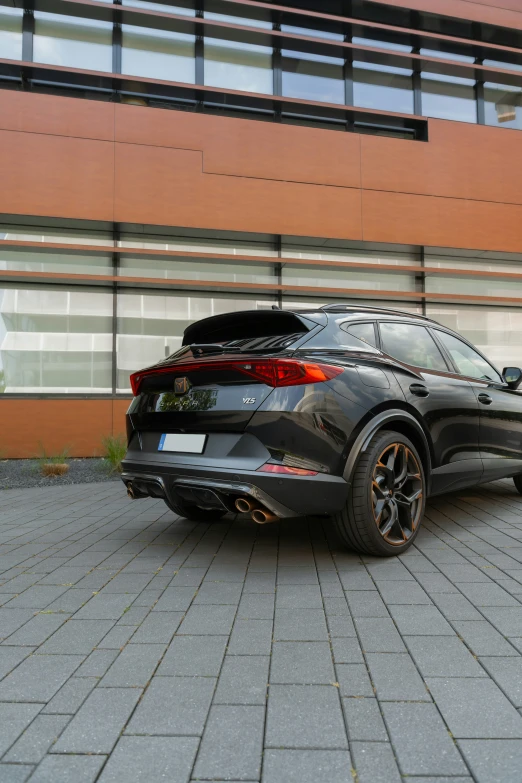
x=368 y=308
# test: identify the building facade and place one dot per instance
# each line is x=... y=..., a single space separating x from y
x=160 y=163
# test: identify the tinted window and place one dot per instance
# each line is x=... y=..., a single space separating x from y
x=364 y=332
x=467 y=360
x=412 y=344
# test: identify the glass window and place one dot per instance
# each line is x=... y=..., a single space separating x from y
x=382 y=87
x=13 y=231
x=23 y=260
x=448 y=97
x=11 y=33
x=467 y=361
x=325 y=277
x=150 y=326
x=232 y=247
x=494 y=330
x=193 y=269
x=411 y=344
x=72 y=41
x=503 y=105
x=235 y=65
x=313 y=77
x=54 y=340
x=364 y=332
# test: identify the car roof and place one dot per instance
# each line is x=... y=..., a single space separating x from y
x=351 y=310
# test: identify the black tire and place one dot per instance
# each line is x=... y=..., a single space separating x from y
x=371 y=508
x=196 y=514
x=517 y=481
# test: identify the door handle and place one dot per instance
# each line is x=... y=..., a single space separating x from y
x=419 y=390
x=485 y=399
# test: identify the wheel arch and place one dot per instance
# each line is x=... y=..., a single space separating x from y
x=395 y=421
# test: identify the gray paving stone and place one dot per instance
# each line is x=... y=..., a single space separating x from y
x=221 y=593
x=379 y=634
x=463 y=702
x=243 y=680
x=402 y=592
x=487 y=594
x=259 y=582
x=251 y=637
x=298 y=597
x=36 y=597
x=10 y=657
x=38 y=678
x=173 y=706
x=374 y=762
x=364 y=603
x=208 y=620
x=71 y=696
x=356 y=578
x=15 y=773
x=232 y=744
x=364 y=720
x=292 y=575
x=71 y=601
x=97 y=663
x=443 y=656
x=109 y=606
x=36 y=740
x=341 y=627
x=157 y=628
x=420 y=620
x=346 y=650
x=436 y=584
x=421 y=741
x=493 y=759
x=300 y=625
x=191 y=656
x=302 y=663
x=99 y=721
x=14 y=719
x=456 y=607
x=507 y=619
x=256 y=606
x=483 y=639
x=127 y=583
x=306 y=766
x=507 y=673
x=304 y=716
x=147 y=759
x=65 y=769
x=189 y=576
x=463 y=573
x=12 y=619
x=134 y=666
x=77 y=636
x=353 y=679
x=37 y=630
x=395 y=677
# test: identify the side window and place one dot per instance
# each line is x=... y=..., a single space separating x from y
x=467 y=360
x=412 y=344
x=364 y=332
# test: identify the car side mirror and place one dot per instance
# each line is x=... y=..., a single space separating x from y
x=512 y=376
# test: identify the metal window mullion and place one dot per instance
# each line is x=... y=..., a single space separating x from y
x=199 y=47
x=480 y=98
x=348 y=78
x=422 y=279
x=28 y=33
x=277 y=71
x=279 y=271
x=116 y=49
x=416 y=80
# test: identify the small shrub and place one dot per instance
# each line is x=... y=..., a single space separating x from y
x=114 y=448
x=53 y=464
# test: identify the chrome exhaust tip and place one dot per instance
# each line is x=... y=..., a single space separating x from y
x=263 y=517
x=244 y=505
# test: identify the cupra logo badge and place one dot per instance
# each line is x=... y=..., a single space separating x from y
x=181 y=385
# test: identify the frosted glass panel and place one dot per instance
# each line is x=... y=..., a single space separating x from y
x=72 y=41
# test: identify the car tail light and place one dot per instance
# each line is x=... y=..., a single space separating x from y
x=273 y=372
x=269 y=467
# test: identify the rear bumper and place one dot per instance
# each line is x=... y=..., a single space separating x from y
x=285 y=496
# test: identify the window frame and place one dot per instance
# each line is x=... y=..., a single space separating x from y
x=425 y=326
x=344 y=326
x=452 y=363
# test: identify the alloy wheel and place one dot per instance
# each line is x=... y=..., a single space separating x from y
x=396 y=493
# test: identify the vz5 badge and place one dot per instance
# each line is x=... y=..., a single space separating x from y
x=249 y=400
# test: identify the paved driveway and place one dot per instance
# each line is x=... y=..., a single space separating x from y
x=141 y=647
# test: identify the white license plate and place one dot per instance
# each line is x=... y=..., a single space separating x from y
x=188 y=444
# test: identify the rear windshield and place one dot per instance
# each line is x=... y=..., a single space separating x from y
x=248 y=329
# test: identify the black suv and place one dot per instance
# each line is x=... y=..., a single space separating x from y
x=355 y=412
